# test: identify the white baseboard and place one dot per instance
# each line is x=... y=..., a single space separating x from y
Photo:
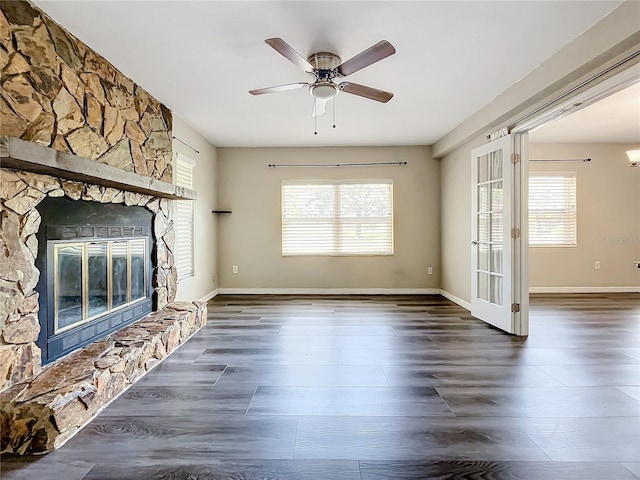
x=584 y=289
x=457 y=300
x=209 y=295
x=328 y=291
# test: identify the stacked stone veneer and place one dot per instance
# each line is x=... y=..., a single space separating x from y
x=39 y=415
x=57 y=92
x=20 y=193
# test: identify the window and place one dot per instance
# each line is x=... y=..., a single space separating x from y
x=552 y=209
x=330 y=218
x=183 y=221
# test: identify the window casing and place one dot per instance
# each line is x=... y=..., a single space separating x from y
x=337 y=218
x=552 y=209
x=183 y=219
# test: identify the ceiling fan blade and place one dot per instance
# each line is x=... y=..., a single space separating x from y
x=284 y=49
x=371 y=55
x=319 y=107
x=366 y=92
x=279 y=88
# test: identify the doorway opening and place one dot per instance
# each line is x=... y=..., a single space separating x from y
x=590 y=244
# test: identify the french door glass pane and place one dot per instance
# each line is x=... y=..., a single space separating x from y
x=497 y=193
x=483 y=257
x=496 y=165
x=497 y=227
x=496 y=258
x=483 y=168
x=483 y=228
x=483 y=198
x=483 y=286
x=496 y=290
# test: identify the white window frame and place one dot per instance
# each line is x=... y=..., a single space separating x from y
x=184 y=218
x=569 y=213
x=337 y=222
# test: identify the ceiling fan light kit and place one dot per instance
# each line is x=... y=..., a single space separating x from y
x=327 y=66
x=323 y=91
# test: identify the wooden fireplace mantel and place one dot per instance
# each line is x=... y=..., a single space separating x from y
x=31 y=157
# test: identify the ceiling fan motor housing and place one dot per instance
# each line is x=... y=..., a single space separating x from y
x=324 y=63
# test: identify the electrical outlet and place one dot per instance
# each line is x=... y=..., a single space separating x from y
x=596 y=265
x=430 y=271
x=234 y=269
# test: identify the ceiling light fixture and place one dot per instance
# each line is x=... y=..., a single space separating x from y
x=323 y=91
x=634 y=158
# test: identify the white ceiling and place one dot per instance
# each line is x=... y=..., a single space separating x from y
x=616 y=119
x=201 y=58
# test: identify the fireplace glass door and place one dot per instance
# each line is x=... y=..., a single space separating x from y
x=97 y=277
x=120 y=273
x=68 y=260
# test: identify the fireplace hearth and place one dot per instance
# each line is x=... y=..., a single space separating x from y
x=96 y=271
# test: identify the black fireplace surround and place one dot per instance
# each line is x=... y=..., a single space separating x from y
x=95 y=262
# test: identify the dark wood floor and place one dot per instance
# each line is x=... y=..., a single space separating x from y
x=346 y=388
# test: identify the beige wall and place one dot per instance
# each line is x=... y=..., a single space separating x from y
x=203 y=284
x=455 y=215
x=608 y=206
x=250 y=237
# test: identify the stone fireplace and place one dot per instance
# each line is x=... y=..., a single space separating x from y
x=54 y=227
x=87 y=273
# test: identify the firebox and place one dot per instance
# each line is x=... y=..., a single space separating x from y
x=95 y=271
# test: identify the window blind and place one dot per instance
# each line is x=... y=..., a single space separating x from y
x=183 y=220
x=337 y=218
x=552 y=209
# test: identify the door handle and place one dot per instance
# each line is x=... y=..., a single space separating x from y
x=474 y=242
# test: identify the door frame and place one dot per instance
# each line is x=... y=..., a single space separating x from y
x=520 y=275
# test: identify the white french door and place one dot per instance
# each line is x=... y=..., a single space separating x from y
x=491 y=235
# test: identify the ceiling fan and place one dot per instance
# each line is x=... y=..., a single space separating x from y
x=325 y=67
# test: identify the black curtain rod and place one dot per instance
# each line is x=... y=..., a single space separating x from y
x=366 y=164
x=184 y=143
x=560 y=160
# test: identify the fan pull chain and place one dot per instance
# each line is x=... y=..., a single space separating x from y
x=315 y=117
x=334 y=110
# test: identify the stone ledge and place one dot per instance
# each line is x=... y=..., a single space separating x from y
x=22 y=155
x=39 y=415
